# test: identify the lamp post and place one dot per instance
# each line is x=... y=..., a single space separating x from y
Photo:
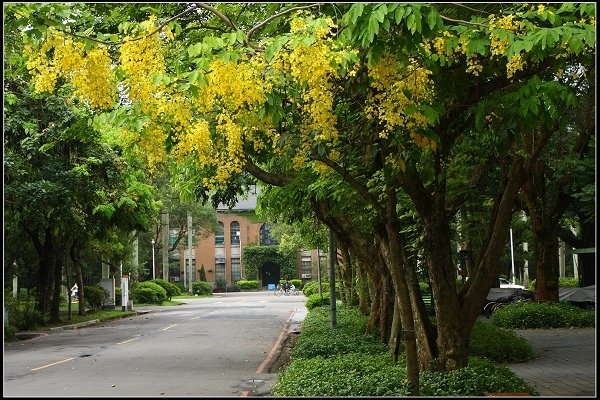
x=153 y=263
x=239 y=233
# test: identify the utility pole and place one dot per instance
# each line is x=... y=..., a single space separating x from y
x=165 y=253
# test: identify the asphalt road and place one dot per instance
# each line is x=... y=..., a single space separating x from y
x=220 y=346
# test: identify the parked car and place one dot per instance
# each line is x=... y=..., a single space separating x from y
x=505 y=284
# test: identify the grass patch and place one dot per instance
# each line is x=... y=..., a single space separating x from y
x=102 y=315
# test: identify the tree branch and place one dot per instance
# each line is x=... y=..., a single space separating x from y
x=265 y=176
x=271 y=18
x=191 y=8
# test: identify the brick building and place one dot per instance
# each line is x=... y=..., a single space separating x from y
x=220 y=254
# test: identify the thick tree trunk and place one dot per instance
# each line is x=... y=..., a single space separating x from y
x=545 y=242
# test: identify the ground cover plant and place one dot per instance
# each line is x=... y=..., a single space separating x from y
x=347 y=362
x=534 y=315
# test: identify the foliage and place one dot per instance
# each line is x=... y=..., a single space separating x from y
x=94 y=296
x=220 y=282
x=479 y=378
x=118 y=296
x=170 y=288
x=318 y=339
x=346 y=362
x=313 y=287
x=20 y=315
x=149 y=293
x=248 y=285
x=202 y=288
x=498 y=344
x=563 y=282
x=202 y=273
x=534 y=315
x=352 y=374
x=315 y=300
x=254 y=257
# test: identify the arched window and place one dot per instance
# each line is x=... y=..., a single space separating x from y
x=220 y=236
x=265 y=237
x=234 y=232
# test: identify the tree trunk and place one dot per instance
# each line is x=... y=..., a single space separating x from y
x=545 y=242
x=57 y=272
x=76 y=257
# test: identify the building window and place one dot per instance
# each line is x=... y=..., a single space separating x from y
x=190 y=274
x=265 y=236
x=236 y=269
x=220 y=267
x=306 y=267
x=220 y=235
x=234 y=232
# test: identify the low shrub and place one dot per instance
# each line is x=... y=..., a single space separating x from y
x=347 y=375
x=21 y=314
x=149 y=292
x=202 y=288
x=536 y=315
x=344 y=362
x=248 y=285
x=171 y=288
x=94 y=296
x=316 y=300
x=319 y=340
x=499 y=344
x=313 y=287
x=118 y=296
x=480 y=377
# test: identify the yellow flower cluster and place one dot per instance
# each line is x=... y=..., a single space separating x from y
x=151 y=144
x=506 y=22
x=141 y=60
x=234 y=85
x=474 y=66
x=514 y=64
x=498 y=46
x=389 y=102
x=90 y=74
x=95 y=81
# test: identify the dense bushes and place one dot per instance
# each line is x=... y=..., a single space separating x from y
x=499 y=345
x=477 y=379
x=316 y=300
x=171 y=288
x=149 y=292
x=248 y=285
x=202 y=288
x=313 y=287
x=534 y=315
x=20 y=315
x=94 y=296
x=346 y=362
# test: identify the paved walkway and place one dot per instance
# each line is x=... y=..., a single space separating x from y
x=566 y=363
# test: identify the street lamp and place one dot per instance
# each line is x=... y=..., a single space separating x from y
x=153 y=263
x=239 y=233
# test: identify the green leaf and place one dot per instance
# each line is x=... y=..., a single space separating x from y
x=478 y=45
x=356 y=11
x=193 y=76
x=399 y=14
x=195 y=49
x=410 y=23
x=432 y=18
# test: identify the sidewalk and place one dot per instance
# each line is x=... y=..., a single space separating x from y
x=566 y=363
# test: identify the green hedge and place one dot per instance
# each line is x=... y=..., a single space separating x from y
x=344 y=362
x=202 y=288
x=149 y=292
x=535 y=315
x=171 y=288
x=94 y=296
x=248 y=285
